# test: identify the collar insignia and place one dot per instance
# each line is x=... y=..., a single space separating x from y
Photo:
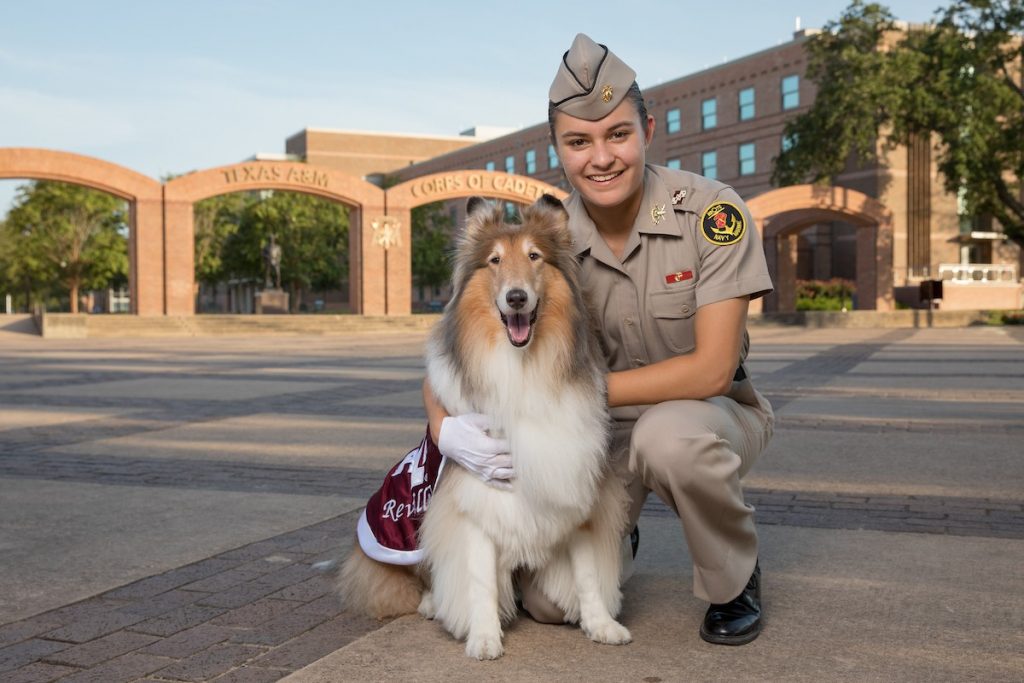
x=678 y=196
x=657 y=213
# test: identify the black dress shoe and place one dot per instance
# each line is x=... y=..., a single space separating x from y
x=738 y=621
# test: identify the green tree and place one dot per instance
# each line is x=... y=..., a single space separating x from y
x=431 y=240
x=67 y=238
x=216 y=220
x=312 y=233
x=957 y=80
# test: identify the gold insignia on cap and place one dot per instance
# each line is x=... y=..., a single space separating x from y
x=606 y=93
x=657 y=213
x=723 y=224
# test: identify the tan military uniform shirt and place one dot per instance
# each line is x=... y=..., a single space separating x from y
x=672 y=265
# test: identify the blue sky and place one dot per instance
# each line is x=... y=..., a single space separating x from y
x=167 y=87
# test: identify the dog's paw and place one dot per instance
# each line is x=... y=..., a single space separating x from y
x=609 y=632
x=427 y=607
x=484 y=647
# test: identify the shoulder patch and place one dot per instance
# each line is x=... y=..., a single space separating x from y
x=723 y=224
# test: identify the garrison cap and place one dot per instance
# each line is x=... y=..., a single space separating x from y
x=591 y=81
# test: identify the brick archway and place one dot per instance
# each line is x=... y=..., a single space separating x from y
x=366 y=201
x=161 y=243
x=781 y=214
x=143 y=194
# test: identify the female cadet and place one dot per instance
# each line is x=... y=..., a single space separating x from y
x=670 y=260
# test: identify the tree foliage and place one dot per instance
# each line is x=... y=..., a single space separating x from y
x=431 y=240
x=60 y=238
x=216 y=220
x=957 y=80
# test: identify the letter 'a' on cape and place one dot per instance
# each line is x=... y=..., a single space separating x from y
x=389 y=526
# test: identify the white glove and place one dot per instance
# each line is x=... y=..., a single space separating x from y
x=465 y=440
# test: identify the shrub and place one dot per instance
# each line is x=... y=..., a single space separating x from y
x=824 y=295
x=1006 y=318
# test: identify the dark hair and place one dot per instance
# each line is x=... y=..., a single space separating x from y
x=633 y=95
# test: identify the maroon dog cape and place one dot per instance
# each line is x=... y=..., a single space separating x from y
x=390 y=523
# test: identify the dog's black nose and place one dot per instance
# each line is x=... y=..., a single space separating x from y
x=516 y=298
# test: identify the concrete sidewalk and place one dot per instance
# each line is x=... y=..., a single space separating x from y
x=164 y=502
x=840 y=605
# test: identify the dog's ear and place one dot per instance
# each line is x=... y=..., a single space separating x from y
x=549 y=212
x=479 y=214
x=551 y=203
x=477 y=204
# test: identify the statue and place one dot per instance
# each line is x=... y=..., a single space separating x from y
x=272 y=264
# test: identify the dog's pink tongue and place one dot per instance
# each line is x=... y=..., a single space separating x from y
x=519 y=327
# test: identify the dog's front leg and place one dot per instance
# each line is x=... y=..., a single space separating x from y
x=595 y=619
x=484 y=640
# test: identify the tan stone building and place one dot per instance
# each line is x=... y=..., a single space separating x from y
x=373 y=155
x=727 y=122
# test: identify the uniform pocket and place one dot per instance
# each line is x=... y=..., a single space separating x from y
x=673 y=316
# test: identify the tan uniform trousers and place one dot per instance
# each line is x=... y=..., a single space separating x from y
x=692 y=454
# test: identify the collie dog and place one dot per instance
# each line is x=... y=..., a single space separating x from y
x=516 y=344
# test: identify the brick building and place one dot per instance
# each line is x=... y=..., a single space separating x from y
x=373 y=155
x=727 y=122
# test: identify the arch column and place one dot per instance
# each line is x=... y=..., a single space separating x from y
x=379 y=262
x=179 y=257
x=785 y=259
x=874 y=267
x=146 y=257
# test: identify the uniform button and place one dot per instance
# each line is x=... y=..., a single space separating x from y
x=639 y=361
x=629 y=321
x=685 y=309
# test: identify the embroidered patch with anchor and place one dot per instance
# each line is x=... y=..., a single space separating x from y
x=723 y=224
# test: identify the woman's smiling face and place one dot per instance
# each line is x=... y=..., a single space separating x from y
x=604 y=159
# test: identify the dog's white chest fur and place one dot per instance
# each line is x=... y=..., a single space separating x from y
x=557 y=435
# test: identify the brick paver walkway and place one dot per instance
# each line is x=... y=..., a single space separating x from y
x=261 y=611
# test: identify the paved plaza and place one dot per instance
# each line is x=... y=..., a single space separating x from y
x=163 y=502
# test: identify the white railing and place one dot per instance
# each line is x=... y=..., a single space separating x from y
x=999 y=273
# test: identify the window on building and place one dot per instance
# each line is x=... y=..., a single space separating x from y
x=709 y=113
x=510 y=164
x=674 y=163
x=788 y=142
x=746 y=104
x=673 y=122
x=531 y=161
x=966 y=220
x=511 y=212
x=748 y=159
x=790 y=92
x=552 y=157
x=709 y=165
x=490 y=166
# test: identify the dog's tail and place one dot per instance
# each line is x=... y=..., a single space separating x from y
x=377 y=589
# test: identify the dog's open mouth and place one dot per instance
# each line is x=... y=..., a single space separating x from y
x=519 y=326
